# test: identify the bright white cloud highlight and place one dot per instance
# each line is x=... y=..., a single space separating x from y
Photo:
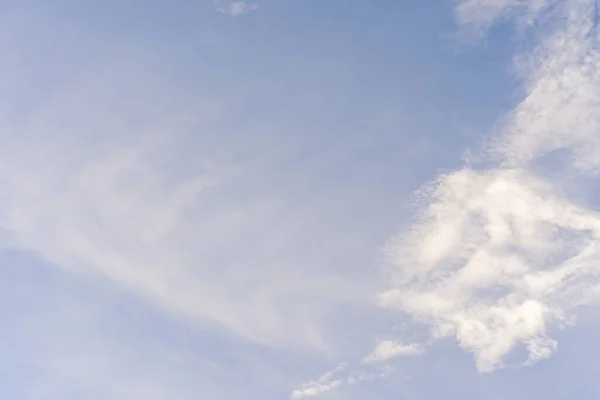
x=372 y=367
x=495 y=258
x=325 y=383
x=499 y=255
x=389 y=349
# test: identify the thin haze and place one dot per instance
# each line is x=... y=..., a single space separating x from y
x=236 y=199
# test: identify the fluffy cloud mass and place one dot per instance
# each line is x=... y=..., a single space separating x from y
x=495 y=258
x=500 y=255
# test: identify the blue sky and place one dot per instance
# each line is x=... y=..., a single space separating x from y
x=296 y=199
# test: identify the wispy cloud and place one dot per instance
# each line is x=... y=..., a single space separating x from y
x=375 y=365
x=484 y=13
x=235 y=8
x=327 y=382
x=137 y=200
x=363 y=374
x=389 y=349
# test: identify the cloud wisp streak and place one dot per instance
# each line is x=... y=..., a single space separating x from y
x=325 y=383
x=389 y=349
x=104 y=179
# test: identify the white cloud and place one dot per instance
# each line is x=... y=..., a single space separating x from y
x=236 y=8
x=481 y=14
x=561 y=110
x=361 y=376
x=123 y=214
x=389 y=349
x=498 y=255
x=495 y=258
x=372 y=367
x=325 y=383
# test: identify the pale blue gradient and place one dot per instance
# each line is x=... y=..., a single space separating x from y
x=321 y=118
